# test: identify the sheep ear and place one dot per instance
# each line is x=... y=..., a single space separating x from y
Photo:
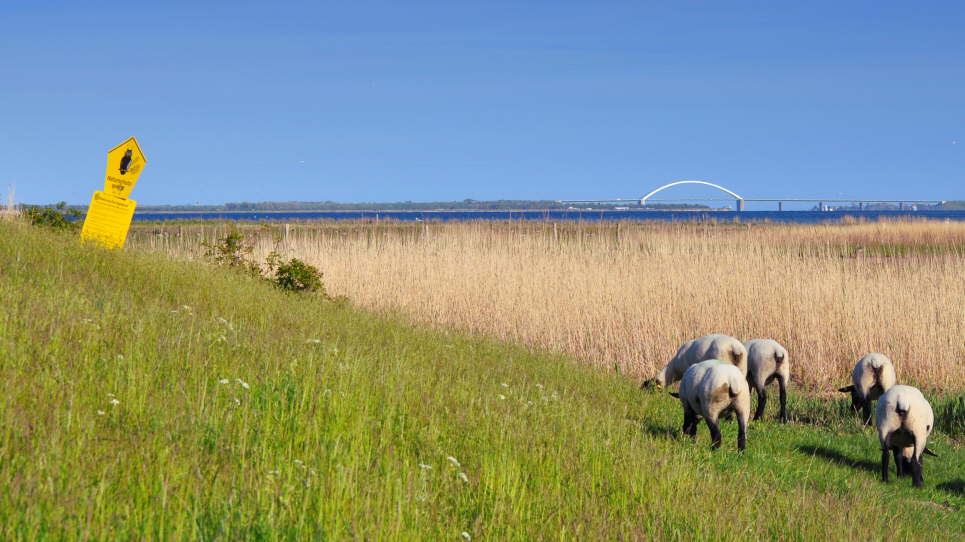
x=929 y=452
x=847 y=389
x=677 y=395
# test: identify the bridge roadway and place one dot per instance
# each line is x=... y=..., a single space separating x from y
x=740 y=200
x=780 y=201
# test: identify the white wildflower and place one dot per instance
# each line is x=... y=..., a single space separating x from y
x=185 y=307
x=423 y=466
x=222 y=320
x=101 y=413
x=242 y=383
x=313 y=341
x=273 y=473
x=539 y=386
x=237 y=402
x=223 y=381
x=453 y=460
x=505 y=385
x=115 y=402
x=119 y=356
x=299 y=462
x=462 y=476
x=110 y=395
x=466 y=535
x=501 y=397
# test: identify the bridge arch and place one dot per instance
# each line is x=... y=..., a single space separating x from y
x=740 y=200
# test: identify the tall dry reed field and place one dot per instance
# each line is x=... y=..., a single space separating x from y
x=626 y=295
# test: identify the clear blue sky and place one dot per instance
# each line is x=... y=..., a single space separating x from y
x=390 y=101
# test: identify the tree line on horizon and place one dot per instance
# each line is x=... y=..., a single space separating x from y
x=463 y=205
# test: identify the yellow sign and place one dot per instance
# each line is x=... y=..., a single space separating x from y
x=108 y=219
x=124 y=165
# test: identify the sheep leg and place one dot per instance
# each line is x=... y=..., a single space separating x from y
x=899 y=463
x=916 y=477
x=884 y=465
x=761 y=401
x=714 y=433
x=782 y=384
x=866 y=411
x=741 y=431
x=690 y=423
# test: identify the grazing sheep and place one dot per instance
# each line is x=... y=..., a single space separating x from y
x=872 y=376
x=715 y=346
x=904 y=420
x=767 y=361
x=706 y=390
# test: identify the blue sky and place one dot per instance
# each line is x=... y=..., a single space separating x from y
x=391 y=101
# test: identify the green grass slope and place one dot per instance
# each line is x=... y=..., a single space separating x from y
x=142 y=398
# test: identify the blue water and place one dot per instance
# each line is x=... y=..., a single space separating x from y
x=667 y=216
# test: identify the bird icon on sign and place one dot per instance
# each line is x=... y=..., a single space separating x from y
x=125 y=162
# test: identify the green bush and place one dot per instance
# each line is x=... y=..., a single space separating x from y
x=293 y=275
x=56 y=218
x=298 y=276
x=233 y=251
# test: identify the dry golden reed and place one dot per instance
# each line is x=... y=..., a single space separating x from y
x=628 y=294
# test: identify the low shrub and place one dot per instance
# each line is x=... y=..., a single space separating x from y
x=298 y=276
x=234 y=251
x=56 y=218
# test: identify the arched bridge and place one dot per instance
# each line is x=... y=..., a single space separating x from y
x=739 y=199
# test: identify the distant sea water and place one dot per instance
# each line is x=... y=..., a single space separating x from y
x=803 y=217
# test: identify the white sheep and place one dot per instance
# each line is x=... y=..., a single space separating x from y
x=706 y=390
x=904 y=420
x=767 y=361
x=714 y=346
x=872 y=376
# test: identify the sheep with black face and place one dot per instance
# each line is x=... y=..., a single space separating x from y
x=706 y=390
x=768 y=361
x=904 y=420
x=872 y=376
x=714 y=346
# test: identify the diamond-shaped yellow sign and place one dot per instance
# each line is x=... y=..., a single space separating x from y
x=124 y=165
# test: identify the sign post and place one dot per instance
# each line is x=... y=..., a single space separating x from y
x=110 y=212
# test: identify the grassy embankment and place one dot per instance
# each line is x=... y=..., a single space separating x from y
x=335 y=423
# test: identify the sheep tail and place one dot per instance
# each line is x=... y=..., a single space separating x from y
x=731 y=392
x=722 y=390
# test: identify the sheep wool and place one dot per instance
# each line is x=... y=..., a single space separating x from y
x=904 y=420
x=768 y=361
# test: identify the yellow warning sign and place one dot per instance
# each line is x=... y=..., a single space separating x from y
x=124 y=165
x=108 y=219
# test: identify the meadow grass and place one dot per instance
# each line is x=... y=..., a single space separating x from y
x=148 y=398
x=627 y=294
